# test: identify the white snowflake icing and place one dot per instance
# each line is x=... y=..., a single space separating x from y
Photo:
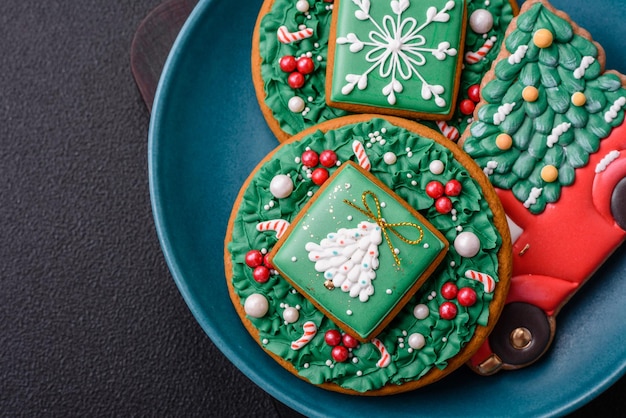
x=396 y=48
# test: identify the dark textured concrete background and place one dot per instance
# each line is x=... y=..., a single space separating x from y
x=91 y=322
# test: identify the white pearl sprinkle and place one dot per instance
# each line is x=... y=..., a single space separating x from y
x=306 y=365
x=389 y=291
x=359 y=373
x=355 y=360
x=426 y=245
x=294 y=259
x=265 y=341
x=348 y=312
x=263 y=250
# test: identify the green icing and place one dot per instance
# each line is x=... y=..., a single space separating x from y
x=330 y=218
x=278 y=92
x=552 y=130
x=408 y=178
x=401 y=58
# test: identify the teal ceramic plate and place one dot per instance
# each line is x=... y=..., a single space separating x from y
x=206 y=135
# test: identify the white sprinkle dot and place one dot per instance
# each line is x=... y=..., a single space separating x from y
x=433 y=293
x=413 y=183
x=409 y=154
x=349 y=217
x=294 y=259
x=452 y=264
x=265 y=341
x=316 y=45
x=306 y=365
x=383 y=205
x=355 y=360
x=426 y=245
x=401 y=345
x=389 y=291
x=297 y=160
x=384 y=130
x=396 y=251
x=349 y=312
x=263 y=250
x=359 y=373
x=444 y=339
x=329 y=362
x=320 y=58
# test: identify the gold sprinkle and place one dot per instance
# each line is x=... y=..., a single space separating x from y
x=530 y=93
x=549 y=173
x=543 y=38
x=504 y=141
x=579 y=99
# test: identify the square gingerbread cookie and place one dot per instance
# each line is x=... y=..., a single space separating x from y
x=399 y=57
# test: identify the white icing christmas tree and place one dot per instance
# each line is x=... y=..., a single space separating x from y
x=349 y=258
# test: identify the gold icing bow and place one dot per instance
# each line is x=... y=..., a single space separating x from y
x=384 y=225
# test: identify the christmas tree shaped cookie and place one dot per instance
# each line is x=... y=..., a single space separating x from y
x=358 y=251
x=550 y=135
x=546 y=109
x=400 y=57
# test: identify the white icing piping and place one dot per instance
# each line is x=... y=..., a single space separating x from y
x=606 y=160
x=611 y=114
x=584 y=64
x=534 y=195
x=518 y=55
x=490 y=167
x=557 y=131
x=503 y=111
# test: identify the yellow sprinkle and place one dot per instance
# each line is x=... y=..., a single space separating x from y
x=549 y=173
x=543 y=38
x=504 y=141
x=530 y=93
x=579 y=99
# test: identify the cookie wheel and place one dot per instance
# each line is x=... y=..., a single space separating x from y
x=618 y=203
x=522 y=334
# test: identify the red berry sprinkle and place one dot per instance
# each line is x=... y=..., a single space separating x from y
x=443 y=205
x=340 y=353
x=332 y=337
x=261 y=274
x=305 y=65
x=349 y=341
x=295 y=80
x=309 y=158
x=319 y=176
x=474 y=93
x=434 y=189
x=467 y=107
x=328 y=158
x=466 y=296
x=453 y=188
x=254 y=258
x=288 y=63
x=449 y=290
x=448 y=310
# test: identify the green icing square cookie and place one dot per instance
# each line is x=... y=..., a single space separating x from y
x=358 y=251
x=400 y=57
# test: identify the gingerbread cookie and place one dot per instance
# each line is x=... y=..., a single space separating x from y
x=368 y=255
x=550 y=135
x=380 y=54
x=290 y=54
